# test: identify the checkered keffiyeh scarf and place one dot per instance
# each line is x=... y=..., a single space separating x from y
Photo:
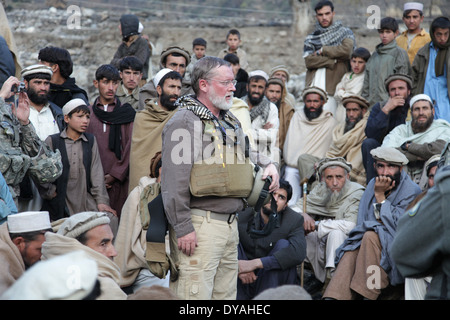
x=331 y=36
x=190 y=103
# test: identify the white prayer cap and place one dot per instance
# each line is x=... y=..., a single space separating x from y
x=70 y=276
x=36 y=68
x=28 y=221
x=260 y=73
x=72 y=104
x=161 y=73
x=413 y=6
x=419 y=97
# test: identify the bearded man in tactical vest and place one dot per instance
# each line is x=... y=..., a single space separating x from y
x=207 y=172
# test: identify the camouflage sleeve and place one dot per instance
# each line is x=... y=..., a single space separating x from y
x=30 y=142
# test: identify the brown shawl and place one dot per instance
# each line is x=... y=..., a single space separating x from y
x=146 y=140
x=348 y=146
x=11 y=265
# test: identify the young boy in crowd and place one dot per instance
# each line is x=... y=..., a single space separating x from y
x=352 y=82
x=233 y=41
x=81 y=187
x=388 y=58
x=199 y=51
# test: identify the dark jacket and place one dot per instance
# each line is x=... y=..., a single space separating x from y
x=241 y=85
x=58 y=115
x=290 y=228
x=60 y=94
x=380 y=124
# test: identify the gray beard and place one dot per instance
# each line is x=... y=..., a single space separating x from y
x=333 y=197
x=350 y=125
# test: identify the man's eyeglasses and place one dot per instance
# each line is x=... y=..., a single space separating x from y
x=225 y=83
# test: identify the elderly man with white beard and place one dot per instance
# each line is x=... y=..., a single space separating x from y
x=331 y=213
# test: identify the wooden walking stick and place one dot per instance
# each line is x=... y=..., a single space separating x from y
x=305 y=187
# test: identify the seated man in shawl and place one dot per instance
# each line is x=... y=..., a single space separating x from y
x=347 y=140
x=364 y=266
x=310 y=132
x=263 y=114
x=21 y=238
x=89 y=232
x=327 y=49
x=331 y=213
x=420 y=138
x=276 y=93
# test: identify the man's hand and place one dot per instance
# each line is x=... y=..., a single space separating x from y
x=382 y=185
x=393 y=103
x=109 y=181
x=22 y=111
x=309 y=224
x=105 y=208
x=272 y=171
x=247 y=278
x=268 y=126
x=249 y=265
x=187 y=243
x=6 y=90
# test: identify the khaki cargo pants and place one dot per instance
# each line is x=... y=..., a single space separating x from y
x=211 y=272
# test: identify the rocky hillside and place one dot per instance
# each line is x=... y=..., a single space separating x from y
x=267 y=43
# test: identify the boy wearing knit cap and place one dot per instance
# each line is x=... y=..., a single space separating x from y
x=81 y=186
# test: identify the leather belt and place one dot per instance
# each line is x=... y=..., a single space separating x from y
x=213 y=215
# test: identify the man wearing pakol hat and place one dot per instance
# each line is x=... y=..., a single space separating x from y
x=310 y=132
x=431 y=68
x=384 y=116
x=331 y=213
x=47 y=119
x=282 y=72
x=133 y=44
x=21 y=238
x=263 y=115
x=276 y=93
x=18 y=139
x=364 y=257
x=176 y=59
x=420 y=138
x=148 y=124
x=414 y=37
x=89 y=232
x=347 y=140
